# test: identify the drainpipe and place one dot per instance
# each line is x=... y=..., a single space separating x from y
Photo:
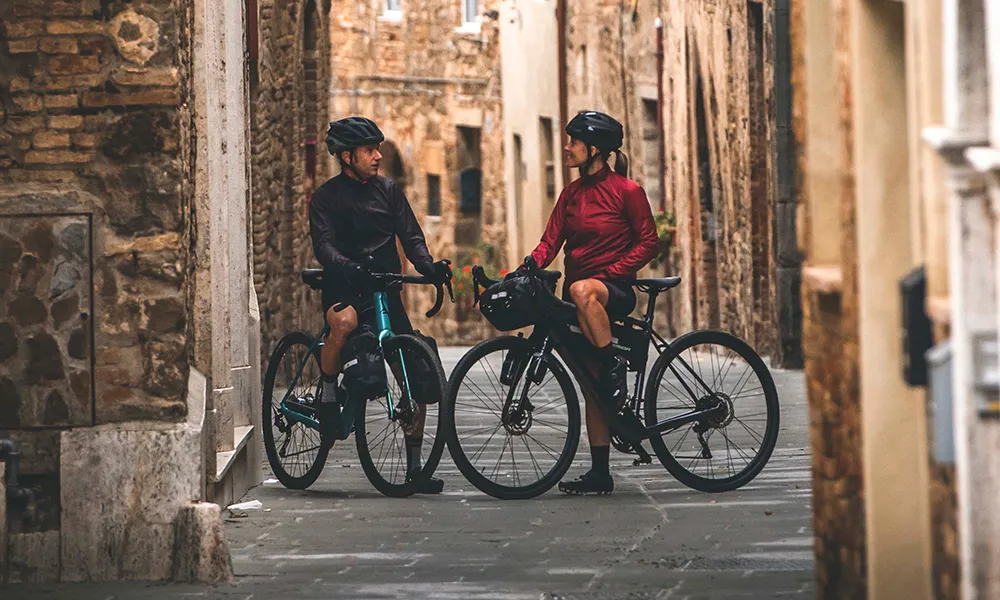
x=659 y=113
x=561 y=52
x=11 y=454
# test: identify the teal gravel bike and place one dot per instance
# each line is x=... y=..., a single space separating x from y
x=404 y=411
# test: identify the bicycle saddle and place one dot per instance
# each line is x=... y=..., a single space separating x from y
x=657 y=284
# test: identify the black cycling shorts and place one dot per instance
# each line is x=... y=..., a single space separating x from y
x=337 y=291
x=621 y=298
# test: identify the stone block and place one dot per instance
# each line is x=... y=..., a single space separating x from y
x=62 y=101
x=20 y=84
x=68 y=64
x=27 y=103
x=54 y=45
x=66 y=122
x=33 y=557
x=57 y=157
x=136 y=36
x=26 y=28
x=22 y=46
x=85 y=140
x=51 y=139
x=146 y=78
x=121 y=494
x=201 y=553
x=166 y=97
x=23 y=125
x=70 y=82
x=72 y=27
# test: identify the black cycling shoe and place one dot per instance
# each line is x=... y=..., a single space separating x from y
x=588 y=483
x=432 y=485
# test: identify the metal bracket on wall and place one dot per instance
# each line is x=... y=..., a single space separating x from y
x=939 y=371
x=986 y=372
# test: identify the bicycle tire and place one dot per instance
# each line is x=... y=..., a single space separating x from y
x=299 y=482
x=414 y=350
x=770 y=438
x=458 y=455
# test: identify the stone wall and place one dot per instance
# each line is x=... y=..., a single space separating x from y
x=92 y=218
x=421 y=76
x=122 y=234
x=286 y=119
x=718 y=127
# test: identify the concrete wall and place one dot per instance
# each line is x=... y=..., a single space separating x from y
x=124 y=208
x=421 y=75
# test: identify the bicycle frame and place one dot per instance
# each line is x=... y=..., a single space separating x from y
x=563 y=347
x=382 y=322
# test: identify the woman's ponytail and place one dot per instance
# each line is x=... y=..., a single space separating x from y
x=621 y=163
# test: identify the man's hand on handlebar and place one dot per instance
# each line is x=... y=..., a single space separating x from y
x=437 y=272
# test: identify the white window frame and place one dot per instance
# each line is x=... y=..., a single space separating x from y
x=392 y=14
x=470 y=23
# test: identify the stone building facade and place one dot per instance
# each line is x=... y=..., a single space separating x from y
x=429 y=73
x=695 y=87
x=128 y=336
x=289 y=99
x=898 y=211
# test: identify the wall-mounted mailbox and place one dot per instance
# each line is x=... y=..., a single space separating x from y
x=916 y=332
x=939 y=365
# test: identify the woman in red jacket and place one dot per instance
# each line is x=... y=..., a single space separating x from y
x=605 y=222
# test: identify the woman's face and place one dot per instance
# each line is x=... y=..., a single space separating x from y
x=577 y=153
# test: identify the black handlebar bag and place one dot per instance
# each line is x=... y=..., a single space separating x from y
x=516 y=301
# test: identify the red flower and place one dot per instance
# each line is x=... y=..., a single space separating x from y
x=461 y=286
x=466 y=269
x=504 y=271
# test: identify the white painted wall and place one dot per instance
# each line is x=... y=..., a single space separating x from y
x=529 y=62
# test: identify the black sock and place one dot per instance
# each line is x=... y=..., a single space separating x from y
x=608 y=354
x=328 y=378
x=599 y=457
x=413 y=453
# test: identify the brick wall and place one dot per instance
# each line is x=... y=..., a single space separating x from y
x=93 y=188
x=281 y=245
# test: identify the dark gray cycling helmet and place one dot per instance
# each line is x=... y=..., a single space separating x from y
x=352 y=132
x=596 y=129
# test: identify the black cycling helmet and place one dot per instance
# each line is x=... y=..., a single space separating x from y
x=596 y=129
x=352 y=132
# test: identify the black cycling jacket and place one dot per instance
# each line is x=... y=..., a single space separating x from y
x=350 y=219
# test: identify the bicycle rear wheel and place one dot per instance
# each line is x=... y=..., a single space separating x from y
x=295 y=451
x=730 y=377
x=386 y=442
x=487 y=435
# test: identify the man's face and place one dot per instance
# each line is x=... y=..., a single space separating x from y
x=365 y=160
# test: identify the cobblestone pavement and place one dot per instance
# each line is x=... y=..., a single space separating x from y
x=652 y=538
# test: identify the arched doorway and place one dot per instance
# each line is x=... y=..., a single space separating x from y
x=392 y=164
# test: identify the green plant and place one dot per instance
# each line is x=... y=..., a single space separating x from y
x=481 y=254
x=666 y=227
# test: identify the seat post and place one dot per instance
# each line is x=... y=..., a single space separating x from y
x=651 y=306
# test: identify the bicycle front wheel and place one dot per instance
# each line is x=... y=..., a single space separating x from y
x=295 y=451
x=392 y=446
x=713 y=370
x=511 y=438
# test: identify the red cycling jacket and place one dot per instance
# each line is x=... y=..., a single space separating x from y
x=607 y=226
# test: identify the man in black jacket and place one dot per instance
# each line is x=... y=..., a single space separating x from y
x=353 y=216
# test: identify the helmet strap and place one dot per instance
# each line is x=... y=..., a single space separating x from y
x=346 y=165
x=585 y=167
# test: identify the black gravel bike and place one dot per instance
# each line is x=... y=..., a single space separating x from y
x=512 y=417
